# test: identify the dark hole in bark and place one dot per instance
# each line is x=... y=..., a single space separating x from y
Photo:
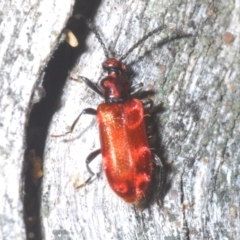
x=56 y=73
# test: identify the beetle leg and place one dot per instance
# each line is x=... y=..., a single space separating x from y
x=90 y=111
x=92 y=85
x=157 y=160
x=135 y=88
x=90 y=158
x=159 y=178
x=147 y=105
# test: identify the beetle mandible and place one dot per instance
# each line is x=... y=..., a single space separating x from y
x=127 y=157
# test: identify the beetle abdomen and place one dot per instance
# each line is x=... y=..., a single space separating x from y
x=127 y=159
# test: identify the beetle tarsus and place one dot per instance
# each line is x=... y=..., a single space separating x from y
x=89 y=111
x=86 y=182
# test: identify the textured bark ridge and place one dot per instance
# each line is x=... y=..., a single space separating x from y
x=192 y=67
x=30 y=32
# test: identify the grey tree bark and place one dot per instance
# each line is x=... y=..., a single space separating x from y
x=29 y=34
x=195 y=77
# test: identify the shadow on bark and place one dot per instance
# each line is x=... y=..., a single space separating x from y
x=41 y=114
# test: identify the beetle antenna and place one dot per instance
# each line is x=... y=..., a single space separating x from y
x=144 y=38
x=93 y=28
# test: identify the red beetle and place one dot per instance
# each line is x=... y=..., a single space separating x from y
x=127 y=157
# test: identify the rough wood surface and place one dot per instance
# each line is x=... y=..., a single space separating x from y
x=28 y=36
x=197 y=78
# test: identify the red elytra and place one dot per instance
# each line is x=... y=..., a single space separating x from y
x=127 y=158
